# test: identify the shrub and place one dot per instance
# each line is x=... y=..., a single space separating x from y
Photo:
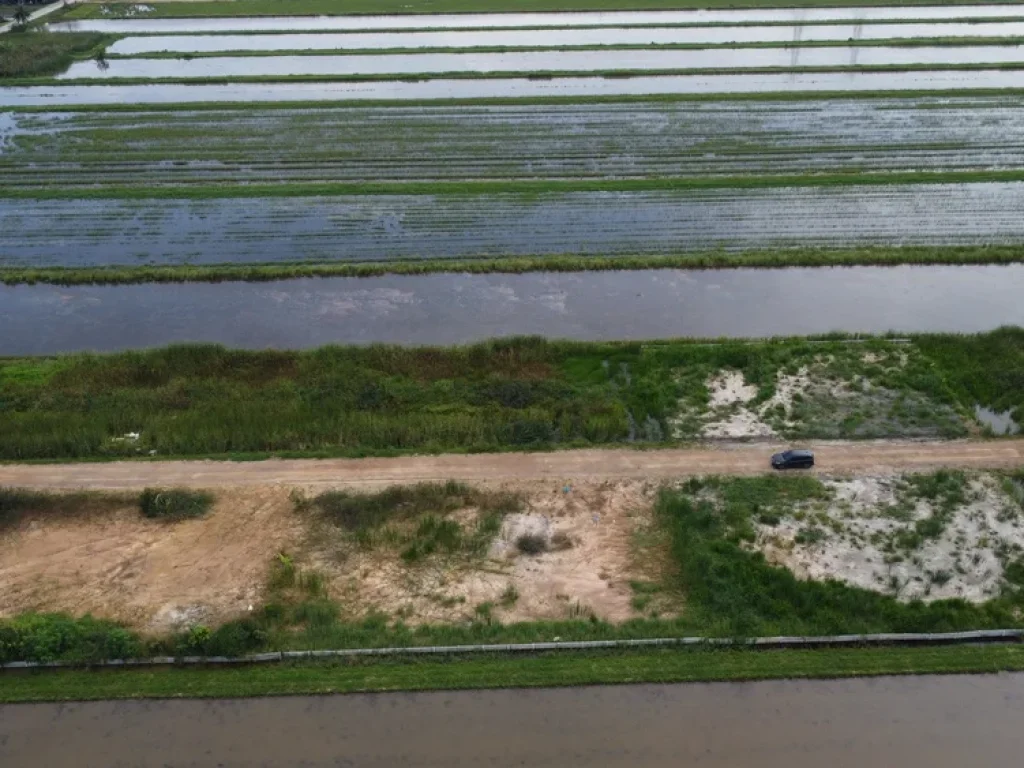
x=58 y=637
x=174 y=504
x=532 y=544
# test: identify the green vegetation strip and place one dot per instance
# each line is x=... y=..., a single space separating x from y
x=818 y=257
x=762 y=96
x=32 y=54
x=552 y=669
x=554 y=74
x=527 y=188
x=899 y=42
x=401 y=7
x=526 y=393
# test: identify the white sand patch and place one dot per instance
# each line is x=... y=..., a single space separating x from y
x=965 y=561
x=729 y=388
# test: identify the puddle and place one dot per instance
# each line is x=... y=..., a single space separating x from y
x=535 y=61
x=461 y=308
x=1000 y=423
x=59 y=96
x=485 y=20
x=559 y=38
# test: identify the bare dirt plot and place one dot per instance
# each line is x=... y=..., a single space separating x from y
x=149 y=574
x=159 y=577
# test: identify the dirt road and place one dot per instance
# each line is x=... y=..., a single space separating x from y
x=735 y=459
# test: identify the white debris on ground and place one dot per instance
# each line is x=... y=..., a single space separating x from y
x=845 y=539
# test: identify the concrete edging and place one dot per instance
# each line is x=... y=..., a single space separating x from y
x=761 y=643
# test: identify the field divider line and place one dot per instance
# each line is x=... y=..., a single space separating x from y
x=755 y=643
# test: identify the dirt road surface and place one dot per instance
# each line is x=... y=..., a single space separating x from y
x=582 y=465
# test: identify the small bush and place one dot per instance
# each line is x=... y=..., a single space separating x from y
x=174 y=504
x=58 y=637
x=510 y=596
x=532 y=544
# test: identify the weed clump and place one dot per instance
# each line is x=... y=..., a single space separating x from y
x=532 y=544
x=174 y=504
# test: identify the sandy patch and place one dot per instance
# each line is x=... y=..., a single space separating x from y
x=587 y=568
x=853 y=531
x=150 y=575
x=729 y=388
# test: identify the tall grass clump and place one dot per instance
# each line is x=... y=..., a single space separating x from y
x=58 y=637
x=17 y=504
x=174 y=504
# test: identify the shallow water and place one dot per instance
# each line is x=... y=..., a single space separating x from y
x=939 y=722
x=458 y=308
x=560 y=38
x=485 y=20
x=58 y=96
x=1001 y=423
x=538 y=61
x=387 y=227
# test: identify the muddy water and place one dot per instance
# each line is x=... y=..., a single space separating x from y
x=559 y=38
x=539 y=61
x=939 y=722
x=58 y=96
x=492 y=20
x=457 y=308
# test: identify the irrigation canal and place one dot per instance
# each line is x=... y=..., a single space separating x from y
x=458 y=308
x=941 y=722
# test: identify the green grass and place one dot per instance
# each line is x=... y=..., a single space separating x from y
x=336 y=7
x=527 y=188
x=552 y=669
x=174 y=504
x=520 y=393
x=32 y=54
x=18 y=504
x=797 y=257
x=546 y=74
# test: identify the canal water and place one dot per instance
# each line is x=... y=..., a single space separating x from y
x=459 y=308
x=938 y=722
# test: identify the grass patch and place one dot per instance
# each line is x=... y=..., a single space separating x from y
x=17 y=504
x=415 y=519
x=174 y=504
x=333 y=8
x=28 y=54
x=797 y=257
x=550 y=669
x=519 y=393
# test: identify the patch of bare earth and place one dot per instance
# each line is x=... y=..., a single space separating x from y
x=155 y=576
x=586 y=567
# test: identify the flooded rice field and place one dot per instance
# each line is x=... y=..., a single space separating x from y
x=562 y=38
x=387 y=227
x=460 y=308
x=512 y=20
x=523 y=141
x=399 y=90
x=547 y=61
x=637 y=140
x=941 y=722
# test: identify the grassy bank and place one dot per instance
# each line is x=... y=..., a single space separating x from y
x=336 y=8
x=517 y=393
x=39 y=54
x=816 y=257
x=554 y=669
x=525 y=188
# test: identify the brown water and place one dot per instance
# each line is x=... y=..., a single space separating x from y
x=884 y=722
